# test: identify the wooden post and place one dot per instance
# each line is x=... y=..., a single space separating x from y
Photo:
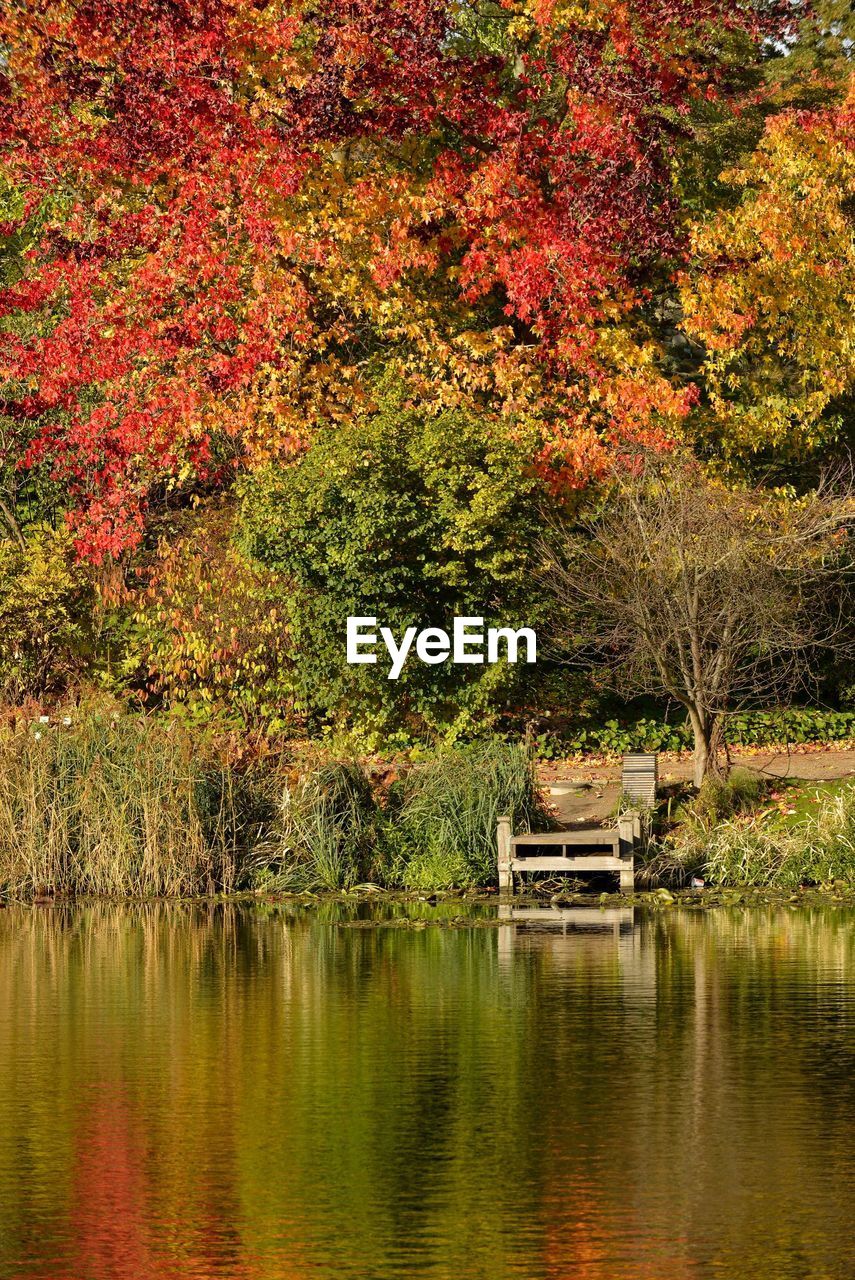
x=626 y=845
x=503 y=845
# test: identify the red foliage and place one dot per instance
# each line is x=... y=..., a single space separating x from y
x=166 y=152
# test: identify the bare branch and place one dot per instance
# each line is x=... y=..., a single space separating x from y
x=718 y=597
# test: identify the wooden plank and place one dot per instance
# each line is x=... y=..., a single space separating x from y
x=580 y=862
x=592 y=835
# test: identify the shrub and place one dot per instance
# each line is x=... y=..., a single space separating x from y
x=746 y=729
x=208 y=629
x=432 y=828
x=412 y=517
x=722 y=797
x=612 y=737
x=45 y=599
x=795 y=725
x=431 y=869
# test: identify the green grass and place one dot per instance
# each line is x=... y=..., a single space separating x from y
x=813 y=844
x=791 y=801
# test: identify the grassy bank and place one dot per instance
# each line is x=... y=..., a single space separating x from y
x=122 y=805
x=742 y=833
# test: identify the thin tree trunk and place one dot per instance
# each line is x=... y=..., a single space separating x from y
x=12 y=525
x=701 y=760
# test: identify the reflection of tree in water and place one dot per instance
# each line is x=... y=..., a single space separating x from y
x=109 y=1211
x=197 y=1091
x=577 y=1248
x=120 y=1230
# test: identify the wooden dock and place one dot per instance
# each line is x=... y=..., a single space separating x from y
x=574 y=850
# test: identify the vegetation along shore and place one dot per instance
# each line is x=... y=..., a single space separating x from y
x=96 y=801
x=518 y=337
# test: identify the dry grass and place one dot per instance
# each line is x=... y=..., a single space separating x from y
x=118 y=806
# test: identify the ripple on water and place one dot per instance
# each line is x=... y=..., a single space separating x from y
x=255 y=1092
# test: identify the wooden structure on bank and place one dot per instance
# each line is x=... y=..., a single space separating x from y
x=639 y=778
x=584 y=848
x=578 y=850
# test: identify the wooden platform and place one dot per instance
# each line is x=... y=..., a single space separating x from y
x=579 y=849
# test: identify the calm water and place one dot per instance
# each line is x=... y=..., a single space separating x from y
x=269 y=1092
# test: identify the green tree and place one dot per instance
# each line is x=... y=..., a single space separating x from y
x=415 y=518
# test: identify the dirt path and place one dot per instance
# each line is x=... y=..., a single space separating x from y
x=589 y=791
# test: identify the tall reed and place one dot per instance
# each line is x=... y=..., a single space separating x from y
x=331 y=827
x=451 y=804
x=128 y=806
x=435 y=826
x=113 y=806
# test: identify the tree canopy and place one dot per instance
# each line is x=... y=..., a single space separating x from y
x=221 y=217
x=772 y=298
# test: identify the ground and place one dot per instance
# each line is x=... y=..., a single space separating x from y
x=587 y=790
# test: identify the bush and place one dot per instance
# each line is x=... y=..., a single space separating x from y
x=412 y=517
x=45 y=601
x=613 y=737
x=433 y=827
x=331 y=827
x=436 y=868
x=796 y=725
x=207 y=629
x=744 y=729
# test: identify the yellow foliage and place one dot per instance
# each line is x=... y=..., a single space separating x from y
x=43 y=598
x=773 y=300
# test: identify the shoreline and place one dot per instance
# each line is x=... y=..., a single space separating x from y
x=709 y=898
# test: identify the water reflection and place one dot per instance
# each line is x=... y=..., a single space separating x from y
x=262 y=1092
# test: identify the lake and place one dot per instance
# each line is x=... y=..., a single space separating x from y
x=268 y=1091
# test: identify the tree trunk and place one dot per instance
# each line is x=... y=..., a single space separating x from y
x=701 y=760
x=705 y=732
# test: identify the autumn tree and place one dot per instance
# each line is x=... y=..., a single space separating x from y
x=717 y=597
x=227 y=215
x=770 y=299
x=813 y=64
